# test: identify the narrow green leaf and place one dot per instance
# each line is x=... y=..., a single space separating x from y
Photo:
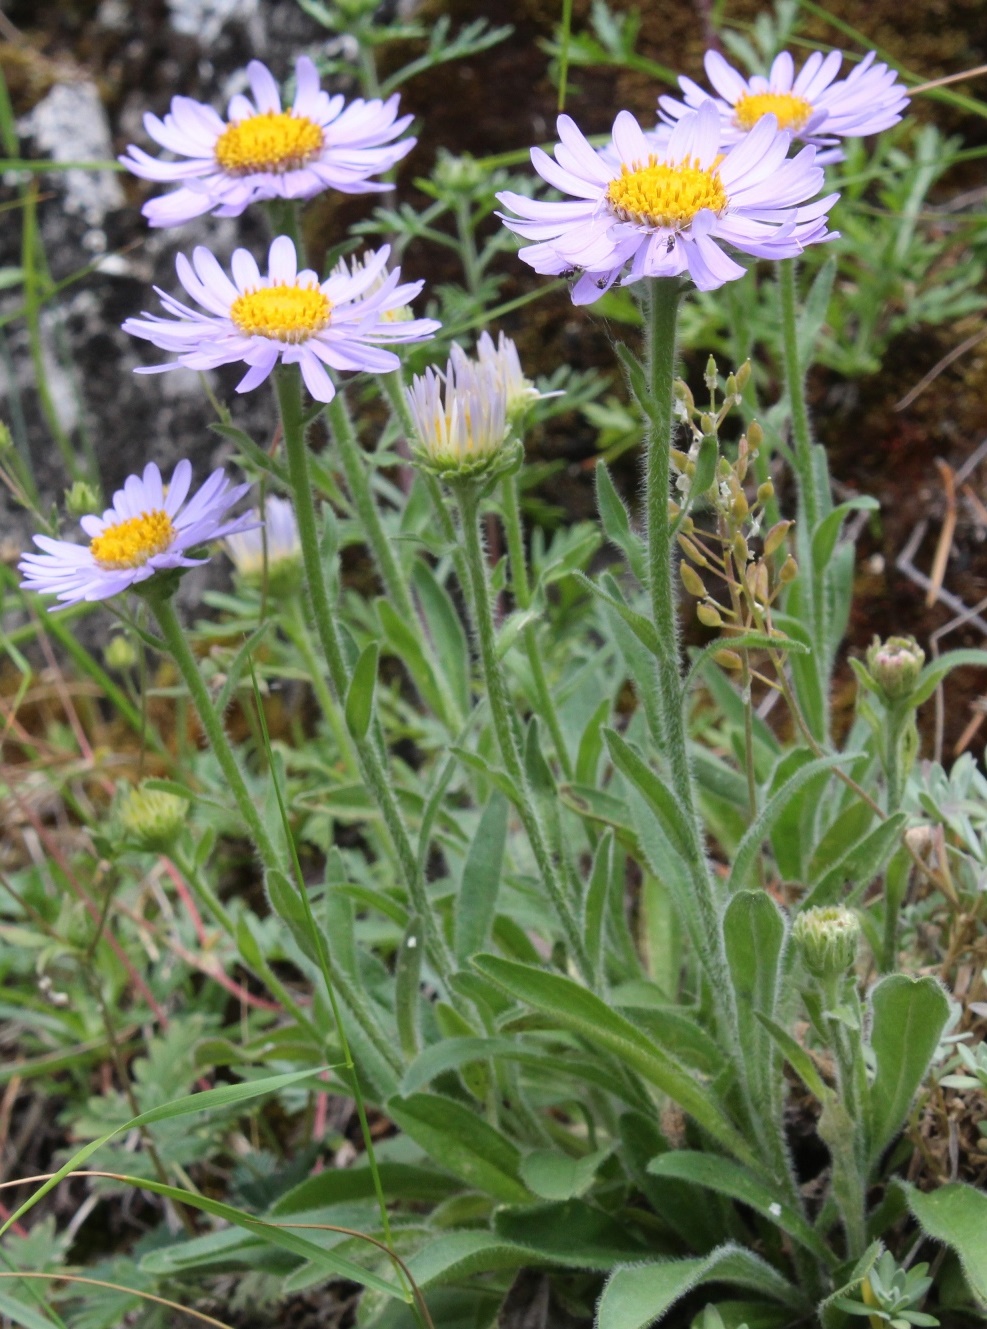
x=617 y=523
x=797 y=1057
x=407 y=980
x=476 y=903
x=754 y=937
x=728 y=1178
x=639 y=1295
x=957 y=1216
x=459 y=1140
x=909 y=1015
x=360 y=694
x=813 y=315
x=760 y=827
x=861 y=863
x=573 y=1007
x=642 y=627
x=657 y=794
x=555 y=1176
x=936 y=670
x=826 y=534
x=595 y=903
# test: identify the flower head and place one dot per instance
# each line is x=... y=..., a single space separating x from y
x=827 y=937
x=152 y=819
x=502 y=360
x=149 y=529
x=274 y=543
x=261 y=151
x=643 y=214
x=461 y=418
x=810 y=105
x=288 y=316
x=895 y=666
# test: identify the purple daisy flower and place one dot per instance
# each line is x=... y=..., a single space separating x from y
x=262 y=151
x=643 y=214
x=148 y=529
x=813 y=107
x=288 y=316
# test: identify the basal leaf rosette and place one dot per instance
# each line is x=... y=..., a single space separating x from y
x=637 y=212
x=261 y=151
x=812 y=105
x=149 y=531
x=287 y=315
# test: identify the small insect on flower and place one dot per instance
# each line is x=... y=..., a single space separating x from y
x=274 y=543
x=262 y=151
x=461 y=418
x=148 y=530
x=810 y=105
x=634 y=213
x=288 y=315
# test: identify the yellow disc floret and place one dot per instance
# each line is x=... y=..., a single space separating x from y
x=275 y=141
x=790 y=111
x=664 y=195
x=130 y=543
x=283 y=313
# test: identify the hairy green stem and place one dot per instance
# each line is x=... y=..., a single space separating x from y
x=468 y=495
x=374 y=775
x=809 y=498
x=522 y=595
x=358 y=483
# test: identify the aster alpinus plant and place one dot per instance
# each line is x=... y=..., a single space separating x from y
x=587 y=944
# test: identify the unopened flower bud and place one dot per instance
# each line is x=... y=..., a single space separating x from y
x=81 y=500
x=709 y=616
x=827 y=939
x=271 y=549
x=706 y=423
x=120 y=653
x=728 y=659
x=152 y=819
x=765 y=492
x=743 y=375
x=755 y=435
x=895 y=665
x=711 y=376
x=789 y=571
x=460 y=174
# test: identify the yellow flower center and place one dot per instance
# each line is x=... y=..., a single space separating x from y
x=130 y=543
x=790 y=111
x=283 y=313
x=276 y=141
x=662 y=195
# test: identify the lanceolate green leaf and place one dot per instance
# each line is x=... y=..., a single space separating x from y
x=729 y=1178
x=639 y=1295
x=754 y=936
x=360 y=697
x=957 y=1216
x=936 y=670
x=477 y=902
x=461 y=1141
x=573 y=1007
x=760 y=828
x=909 y=1015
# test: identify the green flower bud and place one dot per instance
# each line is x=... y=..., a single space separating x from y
x=460 y=175
x=120 y=654
x=81 y=500
x=895 y=665
x=827 y=940
x=151 y=819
